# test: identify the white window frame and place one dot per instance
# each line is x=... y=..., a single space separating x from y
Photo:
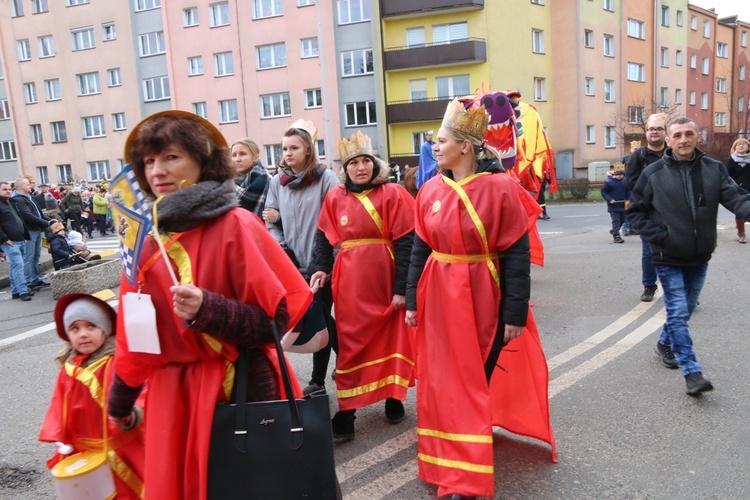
x=636 y=29
x=540 y=89
x=313 y=98
x=664 y=97
x=39 y=6
x=98 y=170
x=693 y=61
x=275 y=55
x=741 y=72
x=156 y=89
x=588 y=86
x=743 y=39
x=722 y=50
x=537 y=41
x=118 y=121
x=7 y=151
x=218 y=14
x=418 y=89
x=4 y=109
x=720 y=119
x=610 y=140
x=678 y=57
x=706 y=66
x=42 y=175
x=223 y=64
x=636 y=115
x=455 y=86
x=308 y=47
x=93 y=127
x=415 y=36
x=89 y=83
x=609 y=5
x=360 y=114
x=64 y=173
x=73 y=3
x=83 y=38
x=35 y=134
x=706 y=28
x=59 y=131
x=590 y=134
x=200 y=109
x=267 y=8
x=741 y=104
x=152 y=44
x=195 y=65
x=664 y=57
x=704 y=100
x=588 y=39
x=46 y=45
x=692 y=98
x=694 y=23
x=228 y=111
x=24 y=50
x=29 y=93
x=353 y=57
x=609 y=46
x=189 y=17
x=665 y=15
x=141 y=5
x=320 y=148
x=109 y=32
x=114 y=77
x=678 y=96
x=721 y=85
x=450 y=33
x=679 y=18
x=345 y=12
x=638 y=68
x=272 y=153
x=609 y=91
x=305 y=3
x=52 y=90
x=16 y=8
x=280 y=102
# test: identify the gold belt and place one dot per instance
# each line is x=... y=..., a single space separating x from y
x=366 y=241
x=469 y=259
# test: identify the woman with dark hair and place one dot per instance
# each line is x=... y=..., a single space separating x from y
x=252 y=177
x=738 y=166
x=373 y=221
x=295 y=197
x=233 y=278
x=468 y=295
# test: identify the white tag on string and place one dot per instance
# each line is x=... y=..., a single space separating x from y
x=140 y=323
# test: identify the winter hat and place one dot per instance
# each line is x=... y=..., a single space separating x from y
x=81 y=306
x=75 y=238
x=76 y=189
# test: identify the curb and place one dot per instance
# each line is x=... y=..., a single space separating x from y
x=44 y=266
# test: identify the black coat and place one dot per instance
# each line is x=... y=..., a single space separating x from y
x=740 y=173
x=11 y=224
x=60 y=250
x=32 y=217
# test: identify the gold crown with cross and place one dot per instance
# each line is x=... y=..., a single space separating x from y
x=357 y=145
x=472 y=121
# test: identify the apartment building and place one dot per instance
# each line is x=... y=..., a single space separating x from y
x=700 y=81
x=739 y=91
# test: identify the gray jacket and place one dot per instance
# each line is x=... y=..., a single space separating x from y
x=675 y=203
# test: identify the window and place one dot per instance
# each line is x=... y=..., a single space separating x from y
x=309 y=47
x=113 y=77
x=704 y=100
x=741 y=72
x=588 y=39
x=722 y=50
x=706 y=65
x=678 y=18
x=664 y=15
x=24 y=50
x=228 y=111
x=706 y=28
x=109 y=31
x=4 y=109
x=704 y=134
x=721 y=85
x=417 y=139
x=664 y=97
x=664 y=57
x=678 y=57
x=271 y=56
x=152 y=43
x=88 y=83
x=448 y=87
x=118 y=121
x=357 y=62
x=223 y=64
x=609 y=5
x=98 y=170
x=302 y=3
x=743 y=39
x=7 y=151
x=39 y=6
x=273 y=154
x=320 y=148
x=190 y=17
x=353 y=11
x=199 y=108
x=540 y=89
x=741 y=104
x=636 y=115
x=609 y=91
x=71 y=3
x=590 y=134
x=537 y=2
x=313 y=98
x=692 y=98
x=64 y=173
x=694 y=23
x=537 y=41
x=156 y=89
x=29 y=92
x=195 y=65
x=636 y=72
x=720 y=119
x=93 y=126
x=42 y=175
x=609 y=45
x=16 y=8
x=609 y=137
x=693 y=61
x=218 y=14
x=52 y=89
x=588 y=86
x=274 y=105
x=267 y=8
x=418 y=89
x=35 y=133
x=46 y=46
x=678 y=96
x=83 y=38
x=360 y=113
x=450 y=33
x=147 y=5
x=415 y=37
x=59 y=132
x=636 y=29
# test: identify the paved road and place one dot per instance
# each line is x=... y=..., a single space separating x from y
x=624 y=426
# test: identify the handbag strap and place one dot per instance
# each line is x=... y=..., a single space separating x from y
x=240 y=430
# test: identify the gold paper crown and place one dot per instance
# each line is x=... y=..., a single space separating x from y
x=307 y=126
x=472 y=122
x=619 y=168
x=357 y=145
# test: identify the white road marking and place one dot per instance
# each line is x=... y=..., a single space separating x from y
x=387 y=483
x=551 y=232
x=579 y=216
x=377 y=454
x=27 y=335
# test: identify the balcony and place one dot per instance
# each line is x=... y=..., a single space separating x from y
x=396 y=8
x=416 y=111
x=468 y=50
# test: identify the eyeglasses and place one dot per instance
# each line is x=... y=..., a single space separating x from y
x=655 y=129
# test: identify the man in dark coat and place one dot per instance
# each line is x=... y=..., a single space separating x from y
x=36 y=223
x=13 y=236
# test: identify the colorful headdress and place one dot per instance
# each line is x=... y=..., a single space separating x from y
x=466 y=116
x=357 y=145
x=307 y=126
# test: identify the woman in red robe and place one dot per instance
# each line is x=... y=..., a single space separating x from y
x=373 y=221
x=468 y=294
x=233 y=277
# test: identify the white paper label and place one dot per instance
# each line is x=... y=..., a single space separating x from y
x=140 y=323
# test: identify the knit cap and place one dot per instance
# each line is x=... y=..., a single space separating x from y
x=88 y=309
x=75 y=238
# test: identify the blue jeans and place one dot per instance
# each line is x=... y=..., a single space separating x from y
x=682 y=286
x=31 y=257
x=15 y=254
x=647 y=265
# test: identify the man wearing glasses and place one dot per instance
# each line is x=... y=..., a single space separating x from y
x=656 y=134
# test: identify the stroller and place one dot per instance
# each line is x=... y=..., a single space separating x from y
x=68 y=252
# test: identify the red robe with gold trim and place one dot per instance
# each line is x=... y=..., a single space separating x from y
x=458 y=304
x=82 y=390
x=376 y=349
x=233 y=255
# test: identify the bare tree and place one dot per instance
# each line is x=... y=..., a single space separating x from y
x=629 y=122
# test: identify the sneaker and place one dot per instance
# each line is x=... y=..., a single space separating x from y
x=697 y=384
x=342 y=424
x=394 y=410
x=648 y=293
x=666 y=355
x=632 y=232
x=618 y=239
x=21 y=295
x=312 y=388
x=25 y=297
x=40 y=284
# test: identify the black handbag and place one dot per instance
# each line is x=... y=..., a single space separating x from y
x=272 y=449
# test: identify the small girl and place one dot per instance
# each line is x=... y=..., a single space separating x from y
x=77 y=413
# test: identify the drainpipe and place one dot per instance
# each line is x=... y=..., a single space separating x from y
x=323 y=88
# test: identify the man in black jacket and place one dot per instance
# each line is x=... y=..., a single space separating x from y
x=13 y=236
x=674 y=207
x=36 y=223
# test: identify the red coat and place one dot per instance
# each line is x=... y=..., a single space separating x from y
x=233 y=255
x=458 y=297
x=376 y=349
